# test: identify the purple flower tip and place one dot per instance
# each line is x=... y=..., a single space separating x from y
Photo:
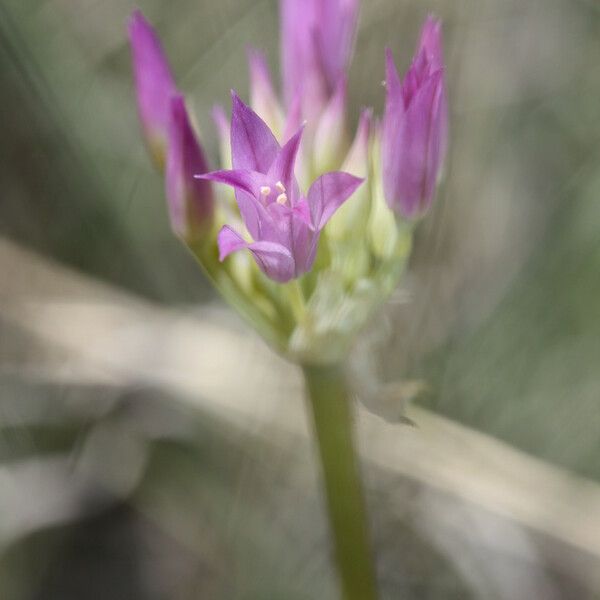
x=154 y=83
x=190 y=199
x=415 y=125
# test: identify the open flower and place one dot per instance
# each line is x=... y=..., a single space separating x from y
x=415 y=127
x=284 y=225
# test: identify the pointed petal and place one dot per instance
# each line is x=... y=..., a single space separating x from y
x=302 y=212
x=154 y=83
x=221 y=121
x=263 y=98
x=240 y=179
x=293 y=123
x=190 y=200
x=431 y=45
x=393 y=115
x=337 y=22
x=328 y=193
x=351 y=219
x=273 y=259
x=294 y=118
x=415 y=131
x=297 y=23
x=282 y=168
x=253 y=145
x=302 y=59
x=247 y=185
x=357 y=160
x=229 y=241
x=304 y=244
x=430 y=42
x=412 y=159
x=316 y=43
x=330 y=141
x=393 y=86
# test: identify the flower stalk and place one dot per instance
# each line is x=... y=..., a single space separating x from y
x=330 y=406
x=304 y=233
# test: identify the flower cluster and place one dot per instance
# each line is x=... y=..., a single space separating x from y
x=317 y=230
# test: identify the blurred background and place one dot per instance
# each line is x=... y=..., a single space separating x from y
x=152 y=448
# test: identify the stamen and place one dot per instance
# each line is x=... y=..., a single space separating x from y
x=265 y=190
x=282 y=199
x=280 y=187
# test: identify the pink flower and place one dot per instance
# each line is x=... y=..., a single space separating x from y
x=415 y=127
x=284 y=225
x=169 y=134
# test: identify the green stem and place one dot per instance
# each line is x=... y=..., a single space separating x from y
x=330 y=405
x=296 y=298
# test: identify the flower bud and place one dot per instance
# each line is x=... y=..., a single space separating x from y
x=263 y=98
x=330 y=142
x=190 y=200
x=415 y=127
x=154 y=85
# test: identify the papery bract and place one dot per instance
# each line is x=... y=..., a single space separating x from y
x=414 y=131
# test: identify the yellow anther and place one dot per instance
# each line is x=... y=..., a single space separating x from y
x=282 y=199
x=280 y=187
x=265 y=190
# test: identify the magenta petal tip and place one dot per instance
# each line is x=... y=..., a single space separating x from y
x=154 y=83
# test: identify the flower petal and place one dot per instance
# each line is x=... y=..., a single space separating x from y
x=304 y=244
x=316 y=43
x=224 y=132
x=430 y=42
x=431 y=45
x=282 y=168
x=190 y=200
x=413 y=154
x=357 y=160
x=273 y=259
x=393 y=85
x=337 y=20
x=302 y=212
x=154 y=83
x=330 y=142
x=292 y=124
x=263 y=98
x=253 y=145
x=294 y=118
x=328 y=193
x=240 y=179
x=247 y=184
x=297 y=24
